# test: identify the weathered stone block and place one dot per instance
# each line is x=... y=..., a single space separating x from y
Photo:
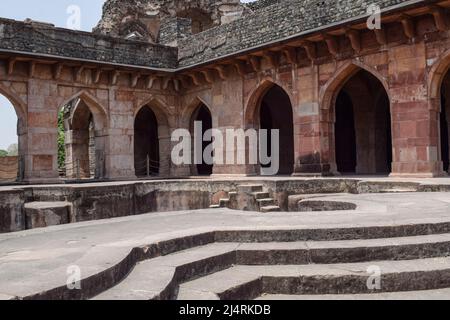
x=46 y=214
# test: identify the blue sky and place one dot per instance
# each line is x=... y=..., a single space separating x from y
x=54 y=11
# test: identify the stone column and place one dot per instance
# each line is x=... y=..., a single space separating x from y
x=118 y=140
x=309 y=154
x=228 y=113
x=41 y=150
x=415 y=118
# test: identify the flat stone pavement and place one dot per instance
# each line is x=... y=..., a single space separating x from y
x=37 y=260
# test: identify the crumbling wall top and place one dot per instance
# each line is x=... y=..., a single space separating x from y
x=144 y=17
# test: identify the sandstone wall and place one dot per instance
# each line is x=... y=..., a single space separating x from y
x=9 y=167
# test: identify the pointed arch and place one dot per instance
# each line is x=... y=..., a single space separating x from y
x=439 y=103
x=253 y=102
x=157 y=105
x=436 y=75
x=270 y=106
x=328 y=93
x=198 y=110
x=189 y=109
x=19 y=106
x=351 y=111
x=99 y=113
x=20 y=109
x=85 y=126
x=152 y=127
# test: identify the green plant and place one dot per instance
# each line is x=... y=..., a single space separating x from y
x=61 y=141
x=3 y=153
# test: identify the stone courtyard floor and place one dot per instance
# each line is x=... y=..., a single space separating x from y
x=34 y=263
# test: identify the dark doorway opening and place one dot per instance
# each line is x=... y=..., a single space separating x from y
x=276 y=113
x=203 y=115
x=445 y=152
x=363 y=138
x=146 y=143
x=345 y=135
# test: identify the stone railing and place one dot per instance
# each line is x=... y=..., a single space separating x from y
x=9 y=166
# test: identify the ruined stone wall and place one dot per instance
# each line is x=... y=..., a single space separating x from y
x=44 y=39
x=274 y=22
x=117 y=14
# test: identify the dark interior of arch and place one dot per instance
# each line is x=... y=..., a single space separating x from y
x=363 y=138
x=83 y=146
x=444 y=122
x=203 y=115
x=345 y=134
x=276 y=113
x=146 y=143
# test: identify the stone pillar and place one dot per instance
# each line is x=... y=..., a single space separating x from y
x=118 y=140
x=415 y=118
x=40 y=156
x=309 y=154
x=228 y=113
x=165 y=150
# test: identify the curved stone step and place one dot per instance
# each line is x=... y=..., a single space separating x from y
x=438 y=294
x=159 y=278
x=251 y=282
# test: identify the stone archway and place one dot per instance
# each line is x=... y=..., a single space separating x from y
x=24 y=164
x=146 y=143
x=270 y=108
x=151 y=140
x=202 y=115
x=12 y=163
x=444 y=122
x=439 y=96
x=362 y=128
x=85 y=127
x=359 y=155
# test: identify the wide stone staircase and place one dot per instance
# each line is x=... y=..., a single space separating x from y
x=409 y=261
x=249 y=198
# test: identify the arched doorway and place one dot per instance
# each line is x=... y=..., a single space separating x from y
x=275 y=112
x=146 y=143
x=9 y=142
x=445 y=122
x=202 y=115
x=82 y=138
x=82 y=155
x=363 y=138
